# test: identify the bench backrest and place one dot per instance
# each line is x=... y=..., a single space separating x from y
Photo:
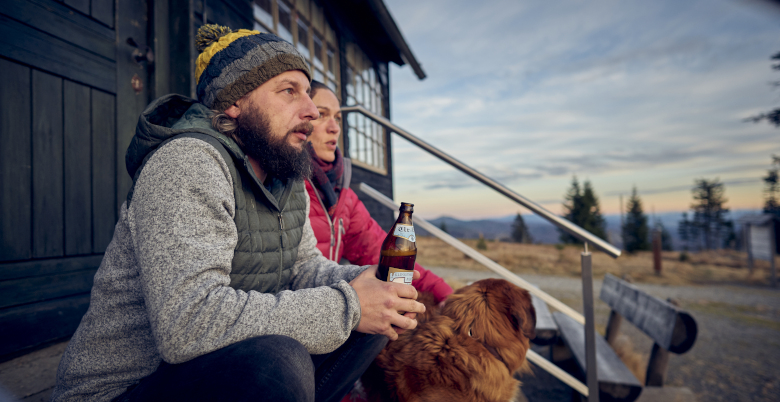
x=673 y=329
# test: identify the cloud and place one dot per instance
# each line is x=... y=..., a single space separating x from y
x=746 y=181
x=651 y=93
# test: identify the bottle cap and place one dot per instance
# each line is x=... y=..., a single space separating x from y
x=406 y=207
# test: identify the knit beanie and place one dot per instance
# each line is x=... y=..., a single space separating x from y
x=231 y=64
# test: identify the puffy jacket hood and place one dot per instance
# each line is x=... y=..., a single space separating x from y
x=162 y=120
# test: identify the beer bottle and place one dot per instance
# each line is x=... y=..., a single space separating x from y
x=396 y=260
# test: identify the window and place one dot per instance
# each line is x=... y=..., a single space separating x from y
x=367 y=145
x=303 y=23
x=263 y=15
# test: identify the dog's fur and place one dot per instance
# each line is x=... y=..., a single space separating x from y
x=467 y=352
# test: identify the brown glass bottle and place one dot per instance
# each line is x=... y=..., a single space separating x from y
x=399 y=250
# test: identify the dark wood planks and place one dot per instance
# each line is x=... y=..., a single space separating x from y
x=80 y=5
x=237 y=15
x=103 y=11
x=40 y=288
x=60 y=21
x=383 y=184
x=131 y=23
x=22 y=326
x=103 y=170
x=25 y=269
x=41 y=50
x=47 y=162
x=78 y=173
x=15 y=163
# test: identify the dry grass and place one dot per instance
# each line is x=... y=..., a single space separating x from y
x=721 y=266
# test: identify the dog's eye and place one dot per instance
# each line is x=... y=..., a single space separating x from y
x=470 y=332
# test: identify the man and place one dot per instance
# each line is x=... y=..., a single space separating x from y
x=212 y=287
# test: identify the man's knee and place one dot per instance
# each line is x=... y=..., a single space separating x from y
x=276 y=363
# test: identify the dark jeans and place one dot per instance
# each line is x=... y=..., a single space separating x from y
x=265 y=368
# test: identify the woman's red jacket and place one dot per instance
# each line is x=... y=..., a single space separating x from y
x=352 y=234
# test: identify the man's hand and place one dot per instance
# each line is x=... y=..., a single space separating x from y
x=381 y=302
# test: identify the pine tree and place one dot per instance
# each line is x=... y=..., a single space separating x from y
x=443 y=226
x=520 y=233
x=684 y=231
x=772 y=116
x=666 y=237
x=582 y=208
x=772 y=187
x=709 y=211
x=635 y=230
x=481 y=245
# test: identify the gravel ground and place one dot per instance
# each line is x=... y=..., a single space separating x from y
x=737 y=352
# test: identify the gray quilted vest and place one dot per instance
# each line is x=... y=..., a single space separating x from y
x=269 y=229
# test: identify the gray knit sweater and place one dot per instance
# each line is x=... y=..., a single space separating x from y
x=162 y=291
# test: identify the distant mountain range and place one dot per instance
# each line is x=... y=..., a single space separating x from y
x=544 y=232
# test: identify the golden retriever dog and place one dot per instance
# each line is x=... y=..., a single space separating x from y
x=468 y=351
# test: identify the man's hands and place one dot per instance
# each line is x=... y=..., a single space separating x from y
x=380 y=303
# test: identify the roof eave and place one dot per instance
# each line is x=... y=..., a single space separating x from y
x=390 y=27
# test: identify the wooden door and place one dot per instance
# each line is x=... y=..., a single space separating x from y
x=67 y=113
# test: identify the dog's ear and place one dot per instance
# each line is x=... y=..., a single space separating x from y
x=523 y=314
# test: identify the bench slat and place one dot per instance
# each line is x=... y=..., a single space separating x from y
x=673 y=329
x=546 y=328
x=614 y=377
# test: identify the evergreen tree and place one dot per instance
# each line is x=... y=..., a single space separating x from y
x=481 y=245
x=666 y=237
x=684 y=231
x=772 y=116
x=709 y=211
x=772 y=187
x=582 y=208
x=520 y=233
x=443 y=226
x=635 y=229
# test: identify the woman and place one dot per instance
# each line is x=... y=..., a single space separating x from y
x=341 y=223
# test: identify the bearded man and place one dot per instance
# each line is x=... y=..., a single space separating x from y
x=213 y=287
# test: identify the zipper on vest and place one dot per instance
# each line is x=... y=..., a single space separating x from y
x=281 y=250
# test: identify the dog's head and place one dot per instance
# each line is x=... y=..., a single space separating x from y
x=496 y=313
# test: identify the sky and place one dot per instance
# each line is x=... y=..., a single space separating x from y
x=620 y=93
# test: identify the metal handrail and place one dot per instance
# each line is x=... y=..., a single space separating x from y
x=532 y=356
x=562 y=223
x=587 y=272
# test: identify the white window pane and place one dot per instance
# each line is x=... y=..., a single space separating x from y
x=262 y=13
x=285 y=22
x=317 y=50
x=303 y=39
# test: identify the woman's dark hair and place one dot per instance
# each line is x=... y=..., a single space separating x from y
x=316 y=86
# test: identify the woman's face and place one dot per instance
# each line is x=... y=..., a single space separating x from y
x=327 y=128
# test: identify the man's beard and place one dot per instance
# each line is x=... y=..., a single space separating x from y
x=275 y=155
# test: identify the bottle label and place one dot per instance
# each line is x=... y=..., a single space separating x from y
x=404 y=231
x=400 y=275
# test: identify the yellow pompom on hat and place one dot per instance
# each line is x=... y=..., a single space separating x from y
x=233 y=63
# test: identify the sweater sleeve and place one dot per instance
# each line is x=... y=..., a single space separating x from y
x=181 y=223
x=363 y=242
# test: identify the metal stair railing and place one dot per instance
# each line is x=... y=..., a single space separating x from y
x=591 y=391
x=532 y=356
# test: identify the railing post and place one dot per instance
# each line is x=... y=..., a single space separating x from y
x=591 y=371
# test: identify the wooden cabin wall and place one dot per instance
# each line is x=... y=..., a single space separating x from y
x=67 y=113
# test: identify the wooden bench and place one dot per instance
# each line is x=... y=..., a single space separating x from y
x=672 y=330
x=546 y=328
